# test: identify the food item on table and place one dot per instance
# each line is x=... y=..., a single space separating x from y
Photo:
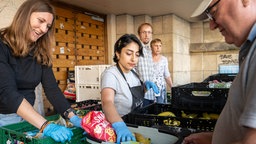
x=130 y=142
x=192 y=115
x=183 y=114
x=169 y=122
x=211 y=116
x=141 y=139
x=217 y=84
x=214 y=116
x=167 y=113
x=206 y=116
x=70 y=91
x=96 y=125
x=60 y=121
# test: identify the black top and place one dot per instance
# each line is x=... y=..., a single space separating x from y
x=19 y=78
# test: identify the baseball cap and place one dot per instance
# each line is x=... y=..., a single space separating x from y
x=199 y=14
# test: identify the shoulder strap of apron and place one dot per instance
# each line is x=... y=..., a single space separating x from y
x=137 y=91
x=119 y=69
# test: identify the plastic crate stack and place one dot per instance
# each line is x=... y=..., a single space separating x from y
x=83 y=107
x=150 y=116
x=194 y=106
x=24 y=132
x=20 y=133
x=87 y=82
x=199 y=97
x=203 y=99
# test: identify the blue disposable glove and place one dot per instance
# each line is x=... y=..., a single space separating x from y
x=58 y=133
x=152 y=85
x=122 y=132
x=76 y=121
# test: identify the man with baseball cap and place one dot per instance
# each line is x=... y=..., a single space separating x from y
x=236 y=21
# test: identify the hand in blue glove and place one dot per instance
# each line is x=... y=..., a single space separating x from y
x=76 y=121
x=58 y=133
x=122 y=132
x=152 y=85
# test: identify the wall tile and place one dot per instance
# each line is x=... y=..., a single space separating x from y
x=181 y=78
x=157 y=25
x=8 y=9
x=138 y=20
x=180 y=44
x=209 y=62
x=181 y=27
x=196 y=63
x=196 y=76
x=168 y=24
x=125 y=24
x=212 y=35
x=196 y=33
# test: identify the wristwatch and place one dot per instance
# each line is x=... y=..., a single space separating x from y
x=66 y=113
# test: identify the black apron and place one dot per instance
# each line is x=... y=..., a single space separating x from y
x=137 y=91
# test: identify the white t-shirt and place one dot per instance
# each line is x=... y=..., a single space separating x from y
x=112 y=78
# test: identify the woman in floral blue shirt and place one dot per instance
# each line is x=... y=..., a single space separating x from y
x=161 y=74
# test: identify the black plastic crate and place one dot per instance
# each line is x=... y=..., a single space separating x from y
x=83 y=107
x=198 y=96
x=148 y=116
x=221 y=78
x=88 y=105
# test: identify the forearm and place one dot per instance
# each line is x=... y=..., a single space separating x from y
x=249 y=137
x=53 y=92
x=27 y=112
x=108 y=106
x=199 y=138
x=111 y=112
x=169 y=81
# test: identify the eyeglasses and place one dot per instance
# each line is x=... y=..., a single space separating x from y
x=208 y=11
x=146 y=32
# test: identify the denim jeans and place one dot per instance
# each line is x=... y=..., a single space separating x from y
x=162 y=96
x=12 y=118
x=160 y=99
x=147 y=102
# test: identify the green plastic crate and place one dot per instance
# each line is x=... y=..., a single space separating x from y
x=14 y=133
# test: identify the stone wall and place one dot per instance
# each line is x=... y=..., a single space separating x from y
x=194 y=51
x=175 y=35
x=8 y=9
x=208 y=51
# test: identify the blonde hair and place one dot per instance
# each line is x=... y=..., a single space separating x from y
x=155 y=41
x=17 y=35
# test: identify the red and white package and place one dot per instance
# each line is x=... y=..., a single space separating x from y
x=70 y=91
x=96 y=125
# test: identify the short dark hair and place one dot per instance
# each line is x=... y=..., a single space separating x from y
x=123 y=41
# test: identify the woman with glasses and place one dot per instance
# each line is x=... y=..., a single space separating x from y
x=236 y=20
